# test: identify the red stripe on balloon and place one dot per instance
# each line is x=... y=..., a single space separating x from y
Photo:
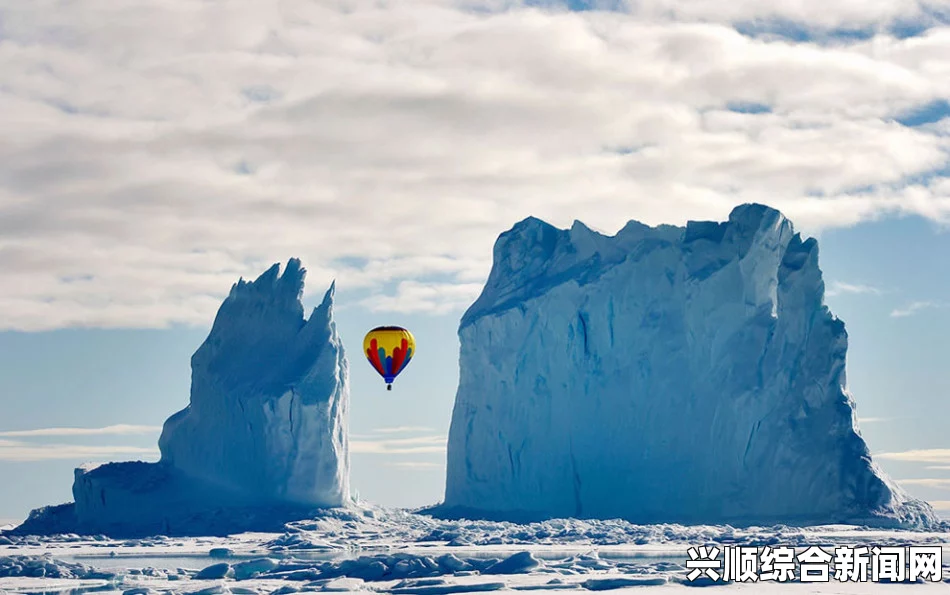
x=399 y=356
x=373 y=355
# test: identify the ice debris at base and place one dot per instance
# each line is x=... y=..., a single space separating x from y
x=399 y=552
x=262 y=441
x=45 y=567
x=399 y=573
x=664 y=374
x=339 y=531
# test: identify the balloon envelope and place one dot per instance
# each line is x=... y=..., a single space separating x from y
x=389 y=350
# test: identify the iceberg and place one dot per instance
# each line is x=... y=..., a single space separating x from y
x=263 y=440
x=269 y=395
x=662 y=375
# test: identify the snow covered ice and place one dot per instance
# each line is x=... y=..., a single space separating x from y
x=664 y=374
x=262 y=441
x=369 y=549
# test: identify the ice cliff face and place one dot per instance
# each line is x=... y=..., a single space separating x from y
x=661 y=375
x=263 y=440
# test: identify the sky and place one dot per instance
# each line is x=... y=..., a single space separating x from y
x=153 y=152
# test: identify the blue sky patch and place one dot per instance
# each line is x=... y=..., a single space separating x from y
x=933 y=17
x=260 y=93
x=788 y=30
x=624 y=149
x=353 y=262
x=928 y=113
x=243 y=168
x=748 y=107
x=579 y=5
x=926 y=177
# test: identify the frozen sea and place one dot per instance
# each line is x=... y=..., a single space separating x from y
x=367 y=549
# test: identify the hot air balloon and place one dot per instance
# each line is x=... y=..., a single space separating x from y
x=389 y=349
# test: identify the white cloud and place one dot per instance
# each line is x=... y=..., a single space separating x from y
x=136 y=186
x=872 y=420
x=375 y=433
x=417 y=445
x=31 y=450
x=26 y=452
x=402 y=430
x=839 y=287
x=116 y=430
x=927 y=482
x=437 y=298
x=835 y=14
x=933 y=455
x=913 y=308
x=420 y=465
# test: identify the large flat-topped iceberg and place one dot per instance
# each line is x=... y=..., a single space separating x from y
x=263 y=440
x=664 y=374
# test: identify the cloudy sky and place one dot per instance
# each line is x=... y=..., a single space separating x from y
x=152 y=152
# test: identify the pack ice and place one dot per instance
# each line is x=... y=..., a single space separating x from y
x=263 y=440
x=664 y=374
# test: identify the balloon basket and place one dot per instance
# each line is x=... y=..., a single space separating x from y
x=389 y=387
